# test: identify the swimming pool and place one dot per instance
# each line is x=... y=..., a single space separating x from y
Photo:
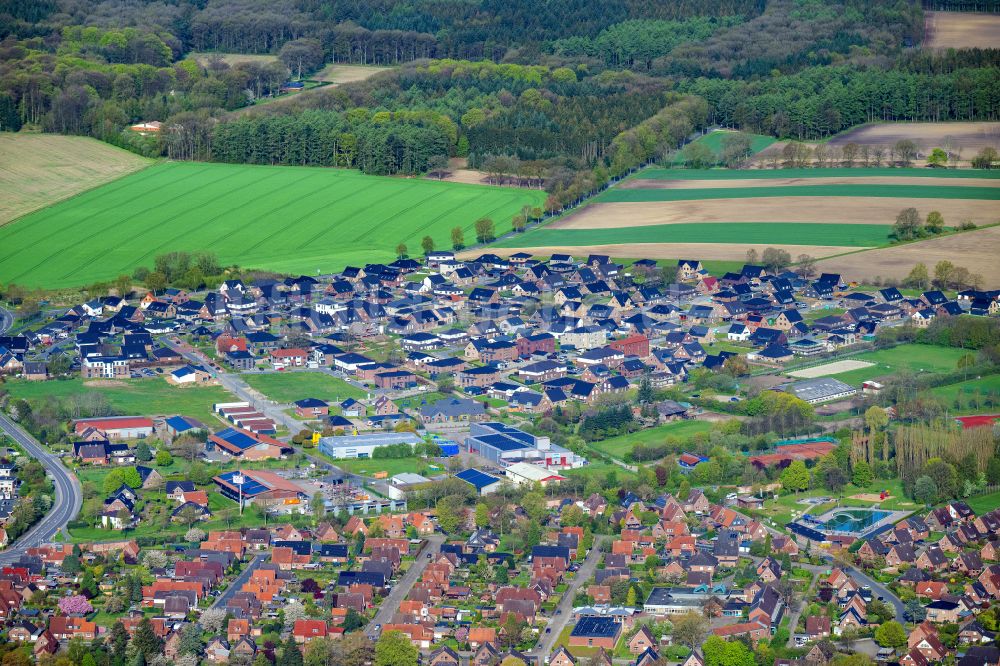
x=854 y=520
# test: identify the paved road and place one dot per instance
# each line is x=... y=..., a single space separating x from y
x=879 y=589
x=6 y=320
x=68 y=497
x=390 y=604
x=557 y=621
x=240 y=581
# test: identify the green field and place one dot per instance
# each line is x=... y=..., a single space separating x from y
x=915 y=358
x=789 y=233
x=292 y=386
x=681 y=430
x=393 y=466
x=713 y=141
x=963 y=392
x=984 y=503
x=133 y=397
x=294 y=219
x=616 y=195
x=764 y=174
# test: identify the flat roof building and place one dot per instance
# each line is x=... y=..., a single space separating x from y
x=363 y=446
x=504 y=445
x=820 y=389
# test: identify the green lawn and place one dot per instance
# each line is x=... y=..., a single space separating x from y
x=837 y=190
x=788 y=233
x=963 y=392
x=291 y=386
x=713 y=141
x=132 y=397
x=764 y=174
x=786 y=507
x=294 y=219
x=984 y=503
x=912 y=357
x=620 y=446
x=599 y=469
x=417 y=401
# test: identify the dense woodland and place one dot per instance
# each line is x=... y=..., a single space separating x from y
x=565 y=94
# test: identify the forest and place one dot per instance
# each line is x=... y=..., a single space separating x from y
x=566 y=94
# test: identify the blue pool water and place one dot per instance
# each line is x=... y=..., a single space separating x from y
x=854 y=520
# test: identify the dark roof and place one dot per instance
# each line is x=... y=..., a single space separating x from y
x=596 y=627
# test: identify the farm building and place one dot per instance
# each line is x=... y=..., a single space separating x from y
x=364 y=446
x=261 y=487
x=117 y=427
x=527 y=474
x=820 y=389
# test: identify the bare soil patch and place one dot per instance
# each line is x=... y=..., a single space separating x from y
x=829 y=369
x=868 y=497
x=104 y=383
x=778 y=181
x=231 y=59
x=467 y=176
x=841 y=210
x=976 y=250
x=944 y=30
x=37 y=170
x=719 y=251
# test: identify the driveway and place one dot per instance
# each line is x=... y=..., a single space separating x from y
x=390 y=604
x=560 y=617
x=68 y=494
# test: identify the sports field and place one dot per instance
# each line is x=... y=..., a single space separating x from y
x=294 y=219
x=910 y=357
x=827 y=369
x=720 y=214
x=37 y=170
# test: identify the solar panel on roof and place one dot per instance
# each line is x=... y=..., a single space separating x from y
x=502 y=442
x=478 y=479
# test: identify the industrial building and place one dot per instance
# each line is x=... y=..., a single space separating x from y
x=363 y=446
x=504 y=445
x=820 y=389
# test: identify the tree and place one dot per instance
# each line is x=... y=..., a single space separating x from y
x=163 y=458
x=943 y=272
x=290 y=655
x=718 y=652
x=907 y=226
x=863 y=476
x=690 y=629
x=457 y=238
x=906 y=151
x=806 y=265
x=775 y=260
x=482 y=515
x=985 y=159
x=937 y=158
x=304 y=54
x=448 y=513
x=891 y=634
x=395 y=649
x=698 y=156
x=75 y=605
x=795 y=477
x=934 y=223
x=630 y=597
x=156 y=282
x=427 y=244
x=751 y=256
x=437 y=166
x=401 y=250
x=918 y=278
x=925 y=490
x=194 y=535
x=142 y=452
x=145 y=641
x=213 y=620
x=485 y=230
x=944 y=475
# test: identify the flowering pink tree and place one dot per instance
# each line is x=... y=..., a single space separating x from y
x=75 y=605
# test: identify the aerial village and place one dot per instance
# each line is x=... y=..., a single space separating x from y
x=522 y=460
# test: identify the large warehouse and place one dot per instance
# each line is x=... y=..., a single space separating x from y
x=363 y=446
x=504 y=445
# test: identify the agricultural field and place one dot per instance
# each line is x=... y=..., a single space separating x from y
x=619 y=447
x=204 y=58
x=293 y=219
x=911 y=357
x=975 y=250
x=132 y=397
x=970 y=396
x=984 y=503
x=337 y=73
x=720 y=214
x=961 y=30
x=37 y=170
x=286 y=387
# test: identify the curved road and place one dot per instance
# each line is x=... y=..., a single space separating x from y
x=6 y=320
x=68 y=499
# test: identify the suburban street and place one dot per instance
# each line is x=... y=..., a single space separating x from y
x=68 y=494
x=557 y=621
x=240 y=581
x=402 y=588
x=6 y=320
